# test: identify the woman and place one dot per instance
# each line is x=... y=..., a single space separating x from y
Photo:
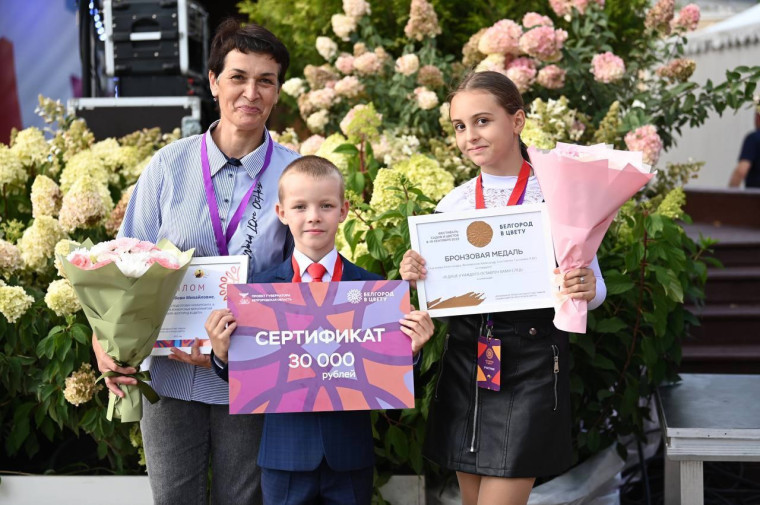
x=215 y=192
x=500 y=441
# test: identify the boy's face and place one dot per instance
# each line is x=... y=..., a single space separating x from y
x=312 y=208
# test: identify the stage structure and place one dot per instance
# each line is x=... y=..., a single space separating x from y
x=157 y=53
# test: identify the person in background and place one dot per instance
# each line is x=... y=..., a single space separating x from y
x=216 y=193
x=748 y=168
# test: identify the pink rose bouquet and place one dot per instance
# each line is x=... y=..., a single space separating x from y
x=125 y=287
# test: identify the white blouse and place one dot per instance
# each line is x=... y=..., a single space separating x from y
x=496 y=192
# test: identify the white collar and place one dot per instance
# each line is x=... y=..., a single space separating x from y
x=501 y=181
x=327 y=261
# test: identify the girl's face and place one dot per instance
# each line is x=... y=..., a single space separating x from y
x=485 y=132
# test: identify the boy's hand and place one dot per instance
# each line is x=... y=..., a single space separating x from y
x=419 y=327
x=219 y=326
x=194 y=358
x=412 y=268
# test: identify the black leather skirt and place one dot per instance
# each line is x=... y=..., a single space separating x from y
x=523 y=430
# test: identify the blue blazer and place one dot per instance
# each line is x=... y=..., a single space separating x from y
x=299 y=442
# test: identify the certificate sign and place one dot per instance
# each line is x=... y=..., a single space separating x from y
x=308 y=347
x=482 y=261
x=203 y=289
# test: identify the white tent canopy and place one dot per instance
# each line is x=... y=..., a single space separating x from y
x=723 y=46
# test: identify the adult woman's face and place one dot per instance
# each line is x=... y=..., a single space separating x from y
x=246 y=89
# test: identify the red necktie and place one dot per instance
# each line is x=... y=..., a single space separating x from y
x=316 y=270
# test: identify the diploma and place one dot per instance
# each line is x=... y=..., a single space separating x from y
x=203 y=289
x=320 y=346
x=482 y=261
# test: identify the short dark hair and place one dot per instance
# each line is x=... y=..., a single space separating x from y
x=314 y=166
x=250 y=38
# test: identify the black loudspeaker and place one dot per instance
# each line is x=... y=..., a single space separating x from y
x=156 y=37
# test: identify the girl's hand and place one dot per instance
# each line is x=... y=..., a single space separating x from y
x=219 y=326
x=418 y=326
x=412 y=268
x=579 y=284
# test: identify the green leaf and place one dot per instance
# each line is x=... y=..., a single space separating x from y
x=611 y=325
x=375 y=244
x=81 y=334
x=398 y=441
x=669 y=281
x=602 y=362
x=617 y=283
x=346 y=149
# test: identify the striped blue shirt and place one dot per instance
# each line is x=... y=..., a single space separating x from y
x=169 y=202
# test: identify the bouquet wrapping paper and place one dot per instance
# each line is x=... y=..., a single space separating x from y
x=126 y=314
x=584 y=187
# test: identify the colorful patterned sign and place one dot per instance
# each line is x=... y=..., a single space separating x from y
x=308 y=347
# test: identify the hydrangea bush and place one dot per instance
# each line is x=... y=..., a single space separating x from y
x=378 y=110
x=58 y=188
x=374 y=101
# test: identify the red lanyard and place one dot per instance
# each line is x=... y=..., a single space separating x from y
x=337 y=270
x=518 y=193
x=222 y=239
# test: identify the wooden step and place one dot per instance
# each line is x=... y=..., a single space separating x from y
x=733 y=285
x=729 y=206
x=726 y=325
x=735 y=359
x=737 y=246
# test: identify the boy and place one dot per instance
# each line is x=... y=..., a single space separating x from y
x=314 y=457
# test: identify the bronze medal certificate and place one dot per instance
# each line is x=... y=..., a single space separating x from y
x=481 y=261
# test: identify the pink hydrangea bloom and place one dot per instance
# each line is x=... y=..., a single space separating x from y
x=532 y=19
x=607 y=67
x=367 y=64
x=407 y=64
x=345 y=63
x=423 y=21
x=646 y=140
x=544 y=43
x=660 y=15
x=349 y=86
x=502 y=38
x=551 y=77
x=687 y=19
x=522 y=71
x=564 y=8
x=312 y=144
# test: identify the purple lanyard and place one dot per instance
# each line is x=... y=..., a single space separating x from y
x=216 y=223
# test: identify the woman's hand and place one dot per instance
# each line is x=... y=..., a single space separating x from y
x=418 y=326
x=220 y=325
x=578 y=284
x=107 y=364
x=412 y=268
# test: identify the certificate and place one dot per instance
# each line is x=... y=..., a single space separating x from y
x=319 y=346
x=203 y=289
x=482 y=261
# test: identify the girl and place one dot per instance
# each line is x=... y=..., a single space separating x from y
x=500 y=441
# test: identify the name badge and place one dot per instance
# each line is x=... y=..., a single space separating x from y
x=489 y=363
